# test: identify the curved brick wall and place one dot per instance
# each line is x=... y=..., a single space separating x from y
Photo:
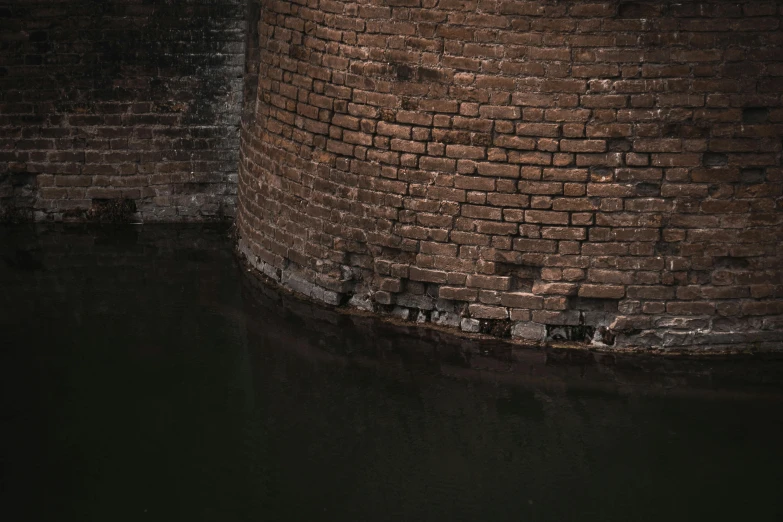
x=546 y=170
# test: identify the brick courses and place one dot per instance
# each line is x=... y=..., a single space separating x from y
x=120 y=100
x=604 y=167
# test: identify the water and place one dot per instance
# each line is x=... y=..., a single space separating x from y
x=145 y=377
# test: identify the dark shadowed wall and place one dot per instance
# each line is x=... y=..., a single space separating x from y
x=109 y=100
x=607 y=170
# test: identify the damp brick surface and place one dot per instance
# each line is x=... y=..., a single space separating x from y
x=120 y=100
x=605 y=172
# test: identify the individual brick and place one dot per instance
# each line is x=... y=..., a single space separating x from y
x=489 y=282
x=602 y=291
x=521 y=300
x=458 y=293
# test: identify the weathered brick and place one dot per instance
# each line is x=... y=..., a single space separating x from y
x=396 y=131
x=535 y=245
x=521 y=300
x=500 y=112
x=458 y=293
x=602 y=291
x=583 y=145
x=567 y=144
x=489 y=282
x=499 y=170
x=481 y=311
x=438 y=164
x=540 y=288
x=465 y=151
x=690 y=308
x=481 y=212
x=429 y=276
x=546 y=217
x=570 y=317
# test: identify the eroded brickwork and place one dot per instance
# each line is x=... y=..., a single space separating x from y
x=606 y=171
x=131 y=101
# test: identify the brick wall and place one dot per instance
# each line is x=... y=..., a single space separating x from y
x=109 y=100
x=549 y=170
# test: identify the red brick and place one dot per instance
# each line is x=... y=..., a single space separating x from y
x=457 y=293
x=438 y=164
x=480 y=311
x=489 y=282
x=690 y=308
x=397 y=131
x=564 y=142
x=583 y=145
x=500 y=113
x=465 y=151
x=499 y=170
x=429 y=276
x=540 y=288
x=542 y=216
x=602 y=291
x=535 y=245
x=521 y=300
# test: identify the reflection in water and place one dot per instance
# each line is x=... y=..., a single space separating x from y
x=144 y=377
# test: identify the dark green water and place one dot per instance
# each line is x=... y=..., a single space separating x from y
x=144 y=377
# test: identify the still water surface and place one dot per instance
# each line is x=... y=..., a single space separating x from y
x=145 y=377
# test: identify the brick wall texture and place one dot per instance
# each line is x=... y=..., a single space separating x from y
x=549 y=170
x=106 y=100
